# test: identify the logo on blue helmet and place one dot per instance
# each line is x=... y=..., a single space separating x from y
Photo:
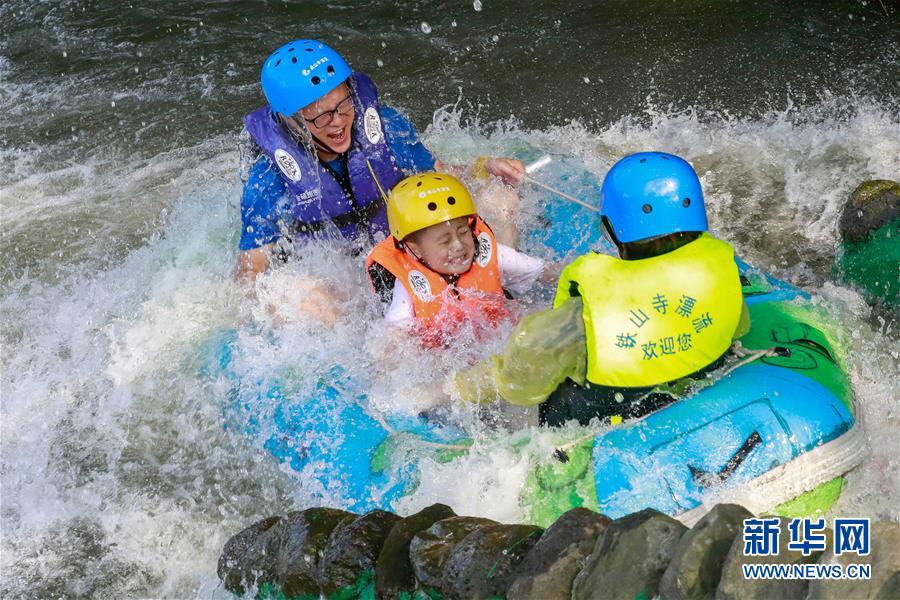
x=649 y=194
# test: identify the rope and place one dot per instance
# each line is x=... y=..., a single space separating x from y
x=377 y=184
x=559 y=193
x=573 y=443
x=393 y=431
x=747 y=356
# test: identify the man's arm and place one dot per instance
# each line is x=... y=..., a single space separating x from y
x=412 y=156
x=251 y=263
x=543 y=350
x=261 y=202
x=510 y=170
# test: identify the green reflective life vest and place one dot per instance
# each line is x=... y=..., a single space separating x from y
x=657 y=319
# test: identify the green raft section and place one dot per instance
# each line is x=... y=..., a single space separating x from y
x=783 y=320
x=873 y=264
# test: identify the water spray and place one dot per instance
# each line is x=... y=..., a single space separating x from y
x=542 y=162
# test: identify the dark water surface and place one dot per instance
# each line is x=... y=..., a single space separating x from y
x=180 y=72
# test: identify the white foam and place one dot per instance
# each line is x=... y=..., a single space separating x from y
x=106 y=421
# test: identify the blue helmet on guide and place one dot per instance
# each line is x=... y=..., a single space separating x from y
x=299 y=73
x=649 y=194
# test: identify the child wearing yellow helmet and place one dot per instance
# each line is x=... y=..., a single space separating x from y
x=442 y=265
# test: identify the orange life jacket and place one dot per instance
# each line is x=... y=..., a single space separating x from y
x=476 y=296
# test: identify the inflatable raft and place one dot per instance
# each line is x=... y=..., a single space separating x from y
x=329 y=436
x=775 y=430
x=776 y=427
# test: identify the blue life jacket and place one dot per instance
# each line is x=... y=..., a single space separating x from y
x=354 y=206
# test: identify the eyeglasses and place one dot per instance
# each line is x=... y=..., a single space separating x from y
x=343 y=108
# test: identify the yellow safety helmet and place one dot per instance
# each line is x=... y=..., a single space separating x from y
x=424 y=200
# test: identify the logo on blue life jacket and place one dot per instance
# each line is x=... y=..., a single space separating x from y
x=372 y=125
x=485 y=249
x=287 y=165
x=308 y=196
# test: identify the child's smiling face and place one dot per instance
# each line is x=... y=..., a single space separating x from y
x=447 y=248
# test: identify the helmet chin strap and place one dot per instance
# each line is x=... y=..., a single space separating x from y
x=415 y=254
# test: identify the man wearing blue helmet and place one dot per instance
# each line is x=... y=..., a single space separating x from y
x=627 y=331
x=326 y=149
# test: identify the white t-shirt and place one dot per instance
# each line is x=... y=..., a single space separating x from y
x=518 y=273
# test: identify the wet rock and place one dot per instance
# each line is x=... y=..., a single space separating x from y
x=629 y=557
x=429 y=549
x=348 y=562
x=871 y=205
x=304 y=537
x=483 y=564
x=884 y=558
x=698 y=558
x=248 y=557
x=733 y=585
x=548 y=570
x=394 y=573
x=891 y=588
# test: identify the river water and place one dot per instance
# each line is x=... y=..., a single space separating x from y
x=119 y=183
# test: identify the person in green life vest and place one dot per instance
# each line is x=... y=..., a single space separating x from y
x=626 y=334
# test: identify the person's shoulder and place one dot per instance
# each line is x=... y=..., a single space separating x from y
x=395 y=121
x=249 y=153
x=590 y=260
x=401 y=136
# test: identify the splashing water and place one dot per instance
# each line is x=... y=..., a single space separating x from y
x=119 y=192
x=117 y=471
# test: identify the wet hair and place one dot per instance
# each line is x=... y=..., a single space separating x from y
x=651 y=247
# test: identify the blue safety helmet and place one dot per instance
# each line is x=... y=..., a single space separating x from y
x=299 y=73
x=649 y=194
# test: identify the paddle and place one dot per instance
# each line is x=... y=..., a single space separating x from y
x=542 y=162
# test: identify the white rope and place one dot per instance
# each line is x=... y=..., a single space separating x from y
x=575 y=442
x=747 y=356
x=393 y=431
x=559 y=193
